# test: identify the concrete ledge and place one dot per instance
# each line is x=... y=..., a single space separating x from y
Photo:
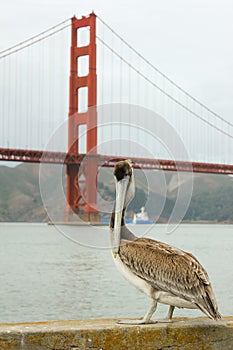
x=104 y=334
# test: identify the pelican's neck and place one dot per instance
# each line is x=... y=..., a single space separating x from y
x=112 y=221
x=124 y=182
x=125 y=232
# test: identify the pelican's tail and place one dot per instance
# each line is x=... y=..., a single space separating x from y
x=213 y=315
x=209 y=305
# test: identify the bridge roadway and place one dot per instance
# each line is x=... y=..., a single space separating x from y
x=34 y=156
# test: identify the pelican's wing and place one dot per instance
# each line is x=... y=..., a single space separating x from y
x=171 y=270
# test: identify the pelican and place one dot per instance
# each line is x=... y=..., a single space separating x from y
x=166 y=274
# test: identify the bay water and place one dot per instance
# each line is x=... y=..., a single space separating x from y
x=52 y=272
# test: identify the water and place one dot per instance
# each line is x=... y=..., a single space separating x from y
x=46 y=276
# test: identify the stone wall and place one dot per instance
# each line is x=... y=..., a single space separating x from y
x=105 y=334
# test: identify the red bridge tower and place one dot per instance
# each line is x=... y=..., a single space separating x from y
x=82 y=179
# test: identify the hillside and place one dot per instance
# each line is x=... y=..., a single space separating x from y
x=212 y=198
x=20 y=198
x=212 y=195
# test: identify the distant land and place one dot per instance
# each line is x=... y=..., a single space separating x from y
x=212 y=198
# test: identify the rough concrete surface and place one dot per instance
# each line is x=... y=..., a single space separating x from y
x=105 y=334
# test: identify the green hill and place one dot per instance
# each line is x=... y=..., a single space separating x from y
x=212 y=197
x=20 y=198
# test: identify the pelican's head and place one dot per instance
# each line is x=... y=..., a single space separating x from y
x=125 y=189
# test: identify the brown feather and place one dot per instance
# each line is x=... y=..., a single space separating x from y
x=172 y=270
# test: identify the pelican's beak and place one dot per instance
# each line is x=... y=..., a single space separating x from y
x=121 y=190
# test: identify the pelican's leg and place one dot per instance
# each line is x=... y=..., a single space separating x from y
x=170 y=312
x=168 y=318
x=146 y=319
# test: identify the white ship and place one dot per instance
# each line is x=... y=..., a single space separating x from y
x=142 y=217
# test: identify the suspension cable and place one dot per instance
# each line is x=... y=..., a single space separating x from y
x=162 y=90
x=163 y=75
x=33 y=40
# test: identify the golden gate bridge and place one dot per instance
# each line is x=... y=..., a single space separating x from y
x=103 y=70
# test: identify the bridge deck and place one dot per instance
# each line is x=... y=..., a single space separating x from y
x=34 y=156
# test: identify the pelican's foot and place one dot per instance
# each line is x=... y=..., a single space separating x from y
x=135 y=322
x=163 y=320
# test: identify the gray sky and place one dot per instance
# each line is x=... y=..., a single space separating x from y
x=189 y=40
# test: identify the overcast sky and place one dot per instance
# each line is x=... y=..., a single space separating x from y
x=189 y=40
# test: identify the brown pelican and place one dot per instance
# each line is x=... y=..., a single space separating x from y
x=166 y=274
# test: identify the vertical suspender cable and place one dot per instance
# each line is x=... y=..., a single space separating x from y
x=3 y=96
x=38 y=109
x=25 y=115
x=50 y=102
x=120 y=96
x=33 y=125
x=112 y=90
x=103 y=80
x=15 y=130
x=130 y=102
x=8 y=102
